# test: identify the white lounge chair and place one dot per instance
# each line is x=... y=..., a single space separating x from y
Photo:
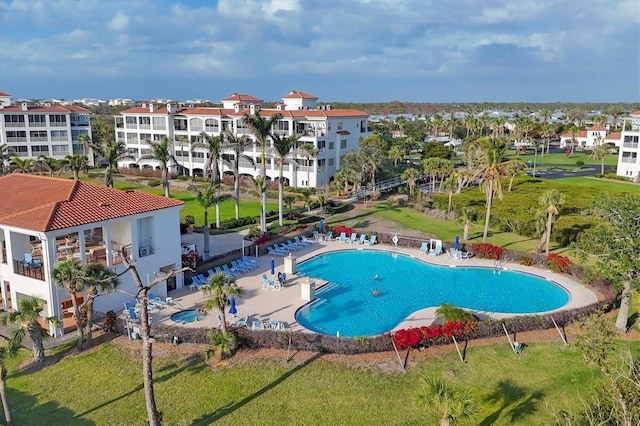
x=267 y=283
x=156 y=300
x=257 y=325
x=342 y=238
x=329 y=236
x=362 y=239
x=437 y=249
x=371 y=241
x=352 y=238
x=424 y=247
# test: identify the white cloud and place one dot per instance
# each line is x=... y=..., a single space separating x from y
x=119 y=22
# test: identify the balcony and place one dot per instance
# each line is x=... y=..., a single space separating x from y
x=628 y=160
x=35 y=272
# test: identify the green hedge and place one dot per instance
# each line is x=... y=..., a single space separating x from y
x=236 y=223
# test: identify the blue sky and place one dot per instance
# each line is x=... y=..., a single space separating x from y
x=338 y=50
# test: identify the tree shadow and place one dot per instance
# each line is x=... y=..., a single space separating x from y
x=515 y=401
x=221 y=412
x=27 y=410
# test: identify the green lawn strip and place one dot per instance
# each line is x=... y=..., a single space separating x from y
x=561 y=158
x=105 y=387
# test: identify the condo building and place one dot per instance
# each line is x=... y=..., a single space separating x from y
x=628 y=164
x=332 y=132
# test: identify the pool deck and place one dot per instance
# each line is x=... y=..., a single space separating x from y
x=265 y=305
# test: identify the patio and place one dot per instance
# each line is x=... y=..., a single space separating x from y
x=266 y=305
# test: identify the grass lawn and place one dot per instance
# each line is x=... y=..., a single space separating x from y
x=105 y=387
x=561 y=158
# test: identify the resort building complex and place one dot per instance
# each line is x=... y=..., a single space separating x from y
x=590 y=138
x=628 y=164
x=324 y=135
x=31 y=130
x=45 y=220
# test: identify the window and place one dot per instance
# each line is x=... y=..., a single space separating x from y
x=119 y=122
x=14 y=120
x=132 y=137
x=630 y=141
x=332 y=145
x=195 y=138
x=40 y=149
x=210 y=125
x=120 y=136
x=75 y=134
x=38 y=135
x=145 y=137
x=180 y=124
x=37 y=120
x=321 y=164
x=197 y=154
x=343 y=144
x=157 y=137
x=145 y=122
x=282 y=125
x=20 y=150
x=322 y=144
x=159 y=123
x=331 y=162
x=132 y=123
x=629 y=157
x=59 y=135
x=59 y=149
x=57 y=120
x=195 y=124
x=16 y=136
x=339 y=125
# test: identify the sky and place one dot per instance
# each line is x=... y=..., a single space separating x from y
x=338 y=50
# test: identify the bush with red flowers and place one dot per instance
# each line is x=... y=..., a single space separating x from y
x=486 y=251
x=261 y=239
x=434 y=334
x=338 y=229
x=558 y=263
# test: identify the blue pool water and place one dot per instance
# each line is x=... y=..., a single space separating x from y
x=188 y=315
x=347 y=305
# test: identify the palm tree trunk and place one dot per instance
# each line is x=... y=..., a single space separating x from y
x=147 y=365
x=205 y=232
x=542 y=242
x=165 y=181
x=450 y=201
x=548 y=232
x=465 y=233
x=236 y=189
x=3 y=395
x=308 y=173
x=89 y=323
x=487 y=216
x=280 y=189
x=602 y=166
x=513 y=176
x=78 y=318
x=223 y=320
x=34 y=330
x=107 y=176
x=263 y=190
x=623 y=312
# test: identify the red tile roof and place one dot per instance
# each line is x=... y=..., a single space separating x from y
x=613 y=136
x=295 y=94
x=598 y=128
x=635 y=113
x=45 y=204
x=52 y=108
x=4 y=94
x=242 y=98
x=216 y=111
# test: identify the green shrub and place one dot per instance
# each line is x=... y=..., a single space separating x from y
x=236 y=223
x=308 y=219
x=616 y=177
x=340 y=208
x=154 y=182
x=579 y=163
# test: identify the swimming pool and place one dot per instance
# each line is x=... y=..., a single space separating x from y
x=188 y=315
x=347 y=305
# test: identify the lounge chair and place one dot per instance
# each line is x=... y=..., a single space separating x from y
x=301 y=243
x=352 y=238
x=242 y=322
x=424 y=247
x=276 y=325
x=156 y=300
x=309 y=241
x=292 y=246
x=371 y=241
x=437 y=249
x=30 y=262
x=131 y=312
x=150 y=306
x=250 y=261
x=202 y=278
x=362 y=239
x=248 y=266
x=275 y=285
x=283 y=248
x=257 y=325
x=329 y=236
x=238 y=267
x=230 y=272
x=342 y=238
x=210 y=273
x=267 y=283
x=195 y=283
x=276 y=251
x=316 y=236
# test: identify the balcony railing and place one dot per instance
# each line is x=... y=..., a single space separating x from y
x=29 y=270
x=630 y=144
x=628 y=159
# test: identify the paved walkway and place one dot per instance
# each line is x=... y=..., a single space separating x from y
x=259 y=304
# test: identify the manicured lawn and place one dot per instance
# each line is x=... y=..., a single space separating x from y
x=105 y=387
x=562 y=159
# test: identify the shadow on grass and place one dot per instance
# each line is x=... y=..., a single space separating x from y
x=27 y=410
x=514 y=401
x=220 y=413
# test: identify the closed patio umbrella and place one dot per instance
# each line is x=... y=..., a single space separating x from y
x=456 y=244
x=321 y=226
x=273 y=267
x=232 y=306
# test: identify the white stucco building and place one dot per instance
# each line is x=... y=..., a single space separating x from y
x=590 y=138
x=628 y=156
x=44 y=220
x=333 y=132
x=31 y=130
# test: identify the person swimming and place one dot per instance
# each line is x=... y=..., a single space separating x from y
x=375 y=277
x=376 y=292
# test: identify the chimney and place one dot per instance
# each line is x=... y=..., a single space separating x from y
x=152 y=107
x=171 y=108
x=25 y=107
x=236 y=107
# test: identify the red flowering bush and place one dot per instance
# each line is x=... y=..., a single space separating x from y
x=338 y=229
x=434 y=334
x=486 y=251
x=261 y=239
x=558 y=263
x=191 y=258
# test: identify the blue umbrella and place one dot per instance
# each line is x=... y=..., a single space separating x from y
x=321 y=226
x=232 y=306
x=456 y=244
x=273 y=267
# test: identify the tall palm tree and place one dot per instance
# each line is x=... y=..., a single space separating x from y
x=214 y=146
x=308 y=151
x=69 y=275
x=24 y=165
x=77 y=164
x=449 y=185
x=410 y=176
x=220 y=288
x=7 y=350
x=212 y=195
x=26 y=318
x=395 y=154
x=51 y=164
x=490 y=172
x=5 y=155
x=551 y=200
x=600 y=153
x=513 y=168
x=574 y=131
x=261 y=129
x=467 y=216
x=372 y=151
x=451 y=404
x=238 y=145
x=161 y=152
x=282 y=148
x=98 y=280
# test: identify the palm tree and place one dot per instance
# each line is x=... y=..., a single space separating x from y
x=308 y=151
x=77 y=164
x=221 y=288
x=447 y=313
x=449 y=403
x=599 y=153
x=51 y=164
x=261 y=129
x=7 y=350
x=395 y=153
x=574 y=131
x=98 y=280
x=372 y=150
x=513 y=168
x=282 y=147
x=212 y=195
x=27 y=321
x=449 y=185
x=238 y=145
x=161 y=152
x=24 y=166
x=490 y=173
x=69 y=275
x=467 y=216
x=551 y=200
x=5 y=155
x=410 y=176
x=214 y=146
